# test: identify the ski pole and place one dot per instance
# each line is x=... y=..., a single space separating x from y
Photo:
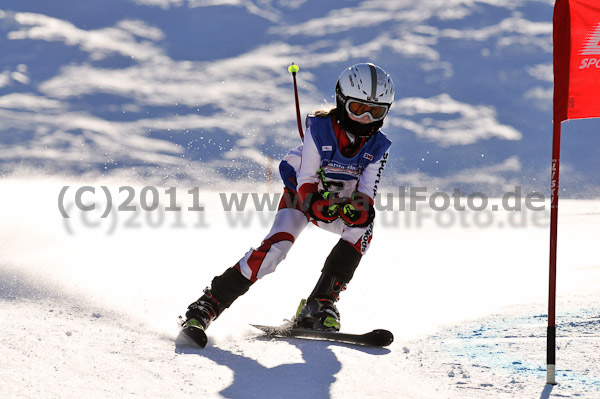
x=293 y=69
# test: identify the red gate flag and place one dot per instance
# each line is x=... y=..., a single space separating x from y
x=576 y=39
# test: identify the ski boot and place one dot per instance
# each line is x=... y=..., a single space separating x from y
x=202 y=312
x=199 y=316
x=318 y=314
x=224 y=289
x=319 y=311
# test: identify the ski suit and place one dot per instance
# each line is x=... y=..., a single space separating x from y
x=319 y=160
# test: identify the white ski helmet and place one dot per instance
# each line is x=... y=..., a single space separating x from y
x=364 y=89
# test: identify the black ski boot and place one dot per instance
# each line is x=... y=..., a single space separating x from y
x=202 y=312
x=319 y=310
x=224 y=289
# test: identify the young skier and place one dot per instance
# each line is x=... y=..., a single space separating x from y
x=331 y=180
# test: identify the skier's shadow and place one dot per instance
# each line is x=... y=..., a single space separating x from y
x=312 y=378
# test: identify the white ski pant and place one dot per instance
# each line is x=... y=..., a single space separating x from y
x=289 y=223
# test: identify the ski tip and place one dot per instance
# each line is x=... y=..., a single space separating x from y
x=381 y=337
x=196 y=335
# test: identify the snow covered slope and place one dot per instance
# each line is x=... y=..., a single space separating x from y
x=88 y=306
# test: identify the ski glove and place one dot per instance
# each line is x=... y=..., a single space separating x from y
x=358 y=211
x=322 y=207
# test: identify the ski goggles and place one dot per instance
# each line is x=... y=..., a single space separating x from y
x=358 y=109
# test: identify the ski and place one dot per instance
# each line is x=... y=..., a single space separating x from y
x=194 y=334
x=378 y=338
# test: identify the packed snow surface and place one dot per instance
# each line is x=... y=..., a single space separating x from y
x=88 y=305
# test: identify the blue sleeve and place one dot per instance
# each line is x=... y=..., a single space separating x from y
x=288 y=175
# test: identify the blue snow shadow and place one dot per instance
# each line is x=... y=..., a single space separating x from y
x=312 y=378
x=512 y=345
x=547 y=391
x=16 y=284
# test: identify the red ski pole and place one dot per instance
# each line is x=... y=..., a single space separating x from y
x=293 y=69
